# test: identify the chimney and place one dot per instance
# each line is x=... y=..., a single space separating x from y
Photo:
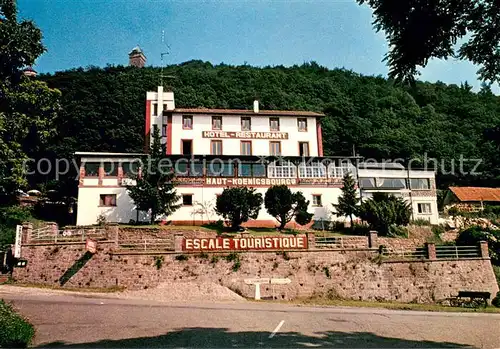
x=256 y=106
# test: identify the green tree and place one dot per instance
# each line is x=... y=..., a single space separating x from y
x=383 y=211
x=284 y=205
x=28 y=108
x=238 y=205
x=420 y=30
x=348 y=199
x=154 y=190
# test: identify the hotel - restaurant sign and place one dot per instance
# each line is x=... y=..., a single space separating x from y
x=245 y=243
x=245 y=135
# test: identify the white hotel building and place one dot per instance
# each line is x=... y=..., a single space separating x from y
x=255 y=148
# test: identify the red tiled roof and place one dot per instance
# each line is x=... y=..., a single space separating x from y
x=476 y=193
x=247 y=112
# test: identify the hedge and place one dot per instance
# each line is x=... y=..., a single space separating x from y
x=15 y=331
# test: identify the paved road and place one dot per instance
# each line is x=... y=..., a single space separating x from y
x=95 y=321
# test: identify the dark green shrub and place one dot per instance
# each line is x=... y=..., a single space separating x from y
x=496 y=301
x=398 y=231
x=327 y=272
x=238 y=205
x=233 y=256
x=181 y=257
x=158 y=262
x=284 y=205
x=473 y=235
x=10 y=217
x=381 y=211
x=15 y=331
x=437 y=230
x=453 y=211
x=421 y=222
x=359 y=229
x=236 y=266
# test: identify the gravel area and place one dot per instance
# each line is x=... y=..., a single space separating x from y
x=185 y=291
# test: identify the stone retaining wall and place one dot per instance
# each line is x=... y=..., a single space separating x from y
x=356 y=275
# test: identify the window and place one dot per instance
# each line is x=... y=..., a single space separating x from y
x=316 y=200
x=155 y=108
x=218 y=169
x=274 y=124
x=187 y=122
x=282 y=169
x=251 y=170
x=275 y=148
x=216 y=122
x=130 y=169
x=192 y=169
x=187 y=199
x=303 y=149
x=246 y=148
x=391 y=183
x=187 y=146
x=302 y=124
x=424 y=208
x=196 y=169
x=110 y=169
x=181 y=168
x=419 y=183
x=91 y=169
x=246 y=124
x=341 y=169
x=313 y=170
x=107 y=200
x=367 y=183
x=216 y=147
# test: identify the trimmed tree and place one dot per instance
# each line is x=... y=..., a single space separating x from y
x=382 y=211
x=238 y=205
x=348 y=199
x=284 y=205
x=155 y=190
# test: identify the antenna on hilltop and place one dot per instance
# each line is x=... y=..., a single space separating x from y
x=162 y=54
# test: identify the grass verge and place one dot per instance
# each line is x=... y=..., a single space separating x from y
x=393 y=305
x=15 y=331
x=72 y=289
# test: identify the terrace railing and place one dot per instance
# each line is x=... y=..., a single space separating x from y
x=441 y=252
x=457 y=252
x=341 y=242
x=48 y=234
x=146 y=245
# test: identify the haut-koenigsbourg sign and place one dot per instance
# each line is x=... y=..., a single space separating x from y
x=245 y=243
x=245 y=135
x=257 y=181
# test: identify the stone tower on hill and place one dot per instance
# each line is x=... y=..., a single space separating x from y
x=136 y=57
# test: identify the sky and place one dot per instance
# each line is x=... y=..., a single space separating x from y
x=333 y=33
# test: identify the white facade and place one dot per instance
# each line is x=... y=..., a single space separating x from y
x=200 y=209
x=162 y=113
x=103 y=176
x=232 y=123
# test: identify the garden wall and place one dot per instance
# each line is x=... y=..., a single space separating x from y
x=350 y=274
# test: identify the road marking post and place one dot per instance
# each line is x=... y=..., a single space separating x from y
x=277 y=329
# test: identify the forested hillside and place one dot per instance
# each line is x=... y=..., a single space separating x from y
x=103 y=110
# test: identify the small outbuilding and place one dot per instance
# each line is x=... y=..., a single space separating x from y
x=471 y=198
